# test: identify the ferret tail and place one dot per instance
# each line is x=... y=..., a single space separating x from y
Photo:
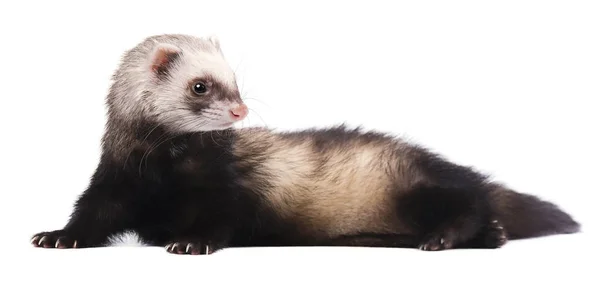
x=527 y=216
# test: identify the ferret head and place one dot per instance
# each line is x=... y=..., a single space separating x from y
x=179 y=81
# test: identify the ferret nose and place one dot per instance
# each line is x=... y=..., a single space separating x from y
x=240 y=112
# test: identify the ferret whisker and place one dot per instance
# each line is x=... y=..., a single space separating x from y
x=151 y=150
x=155 y=145
x=148 y=151
x=259 y=116
x=237 y=67
x=206 y=114
x=254 y=99
x=213 y=139
x=144 y=140
x=152 y=147
x=236 y=75
x=213 y=111
x=170 y=111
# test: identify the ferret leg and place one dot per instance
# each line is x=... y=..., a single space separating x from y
x=445 y=217
x=94 y=219
x=196 y=240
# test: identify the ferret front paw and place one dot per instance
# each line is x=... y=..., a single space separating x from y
x=54 y=239
x=190 y=247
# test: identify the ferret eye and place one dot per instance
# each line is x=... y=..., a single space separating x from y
x=199 y=88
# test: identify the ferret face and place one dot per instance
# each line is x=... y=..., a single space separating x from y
x=193 y=88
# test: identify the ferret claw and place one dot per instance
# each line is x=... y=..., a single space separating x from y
x=41 y=240
x=190 y=248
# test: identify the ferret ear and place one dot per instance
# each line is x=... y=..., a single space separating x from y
x=163 y=57
x=214 y=40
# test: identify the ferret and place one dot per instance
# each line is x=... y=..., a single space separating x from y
x=175 y=170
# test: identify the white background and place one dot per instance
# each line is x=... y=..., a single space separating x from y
x=508 y=86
